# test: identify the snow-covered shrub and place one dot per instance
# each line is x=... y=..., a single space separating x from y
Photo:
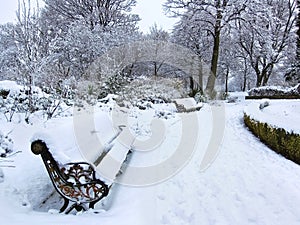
x=265 y=103
x=11 y=105
x=144 y=91
x=141 y=91
x=88 y=91
x=17 y=99
x=114 y=84
x=4 y=93
x=27 y=101
x=64 y=89
x=8 y=105
x=50 y=106
x=273 y=91
x=6 y=145
x=200 y=97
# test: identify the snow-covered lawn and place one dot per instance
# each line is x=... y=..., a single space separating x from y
x=247 y=183
x=277 y=113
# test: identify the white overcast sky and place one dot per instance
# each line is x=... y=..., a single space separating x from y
x=150 y=11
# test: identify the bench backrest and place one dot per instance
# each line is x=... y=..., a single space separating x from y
x=75 y=181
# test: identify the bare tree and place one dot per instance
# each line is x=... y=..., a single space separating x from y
x=266 y=34
x=93 y=12
x=160 y=37
x=29 y=41
x=8 y=53
x=293 y=75
x=210 y=17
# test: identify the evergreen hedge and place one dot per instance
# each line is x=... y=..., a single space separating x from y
x=285 y=143
x=274 y=92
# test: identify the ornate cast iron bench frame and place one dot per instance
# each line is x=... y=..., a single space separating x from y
x=75 y=182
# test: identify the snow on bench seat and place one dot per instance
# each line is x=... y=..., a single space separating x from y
x=78 y=140
x=187 y=104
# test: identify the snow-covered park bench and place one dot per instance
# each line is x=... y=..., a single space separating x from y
x=75 y=182
x=72 y=159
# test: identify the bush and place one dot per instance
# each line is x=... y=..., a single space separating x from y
x=275 y=92
x=139 y=91
x=284 y=143
x=198 y=95
x=152 y=89
x=19 y=100
x=4 y=93
x=6 y=145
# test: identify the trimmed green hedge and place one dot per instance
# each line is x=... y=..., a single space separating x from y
x=274 y=97
x=285 y=143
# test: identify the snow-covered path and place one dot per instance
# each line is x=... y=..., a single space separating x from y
x=246 y=184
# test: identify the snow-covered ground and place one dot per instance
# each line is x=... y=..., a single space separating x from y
x=277 y=113
x=246 y=183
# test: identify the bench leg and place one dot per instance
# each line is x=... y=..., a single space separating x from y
x=92 y=205
x=77 y=207
x=63 y=208
x=70 y=209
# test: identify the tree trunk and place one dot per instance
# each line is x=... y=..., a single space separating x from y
x=264 y=75
x=226 y=80
x=298 y=31
x=267 y=76
x=245 y=75
x=200 y=74
x=155 y=69
x=298 y=44
x=215 y=57
x=258 y=80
